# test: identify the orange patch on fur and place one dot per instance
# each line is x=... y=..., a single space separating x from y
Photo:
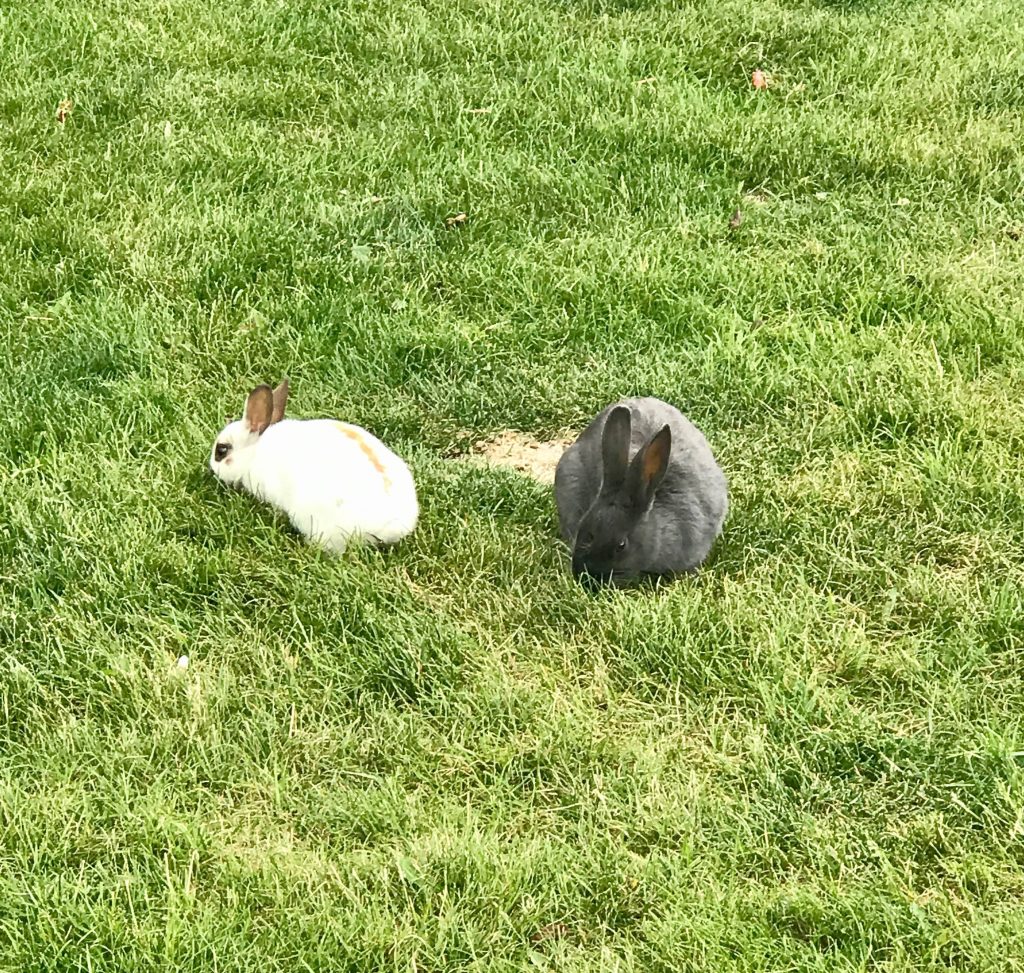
x=367 y=449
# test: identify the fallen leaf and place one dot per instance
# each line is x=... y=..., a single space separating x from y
x=553 y=930
x=650 y=80
x=759 y=80
x=408 y=870
x=64 y=109
x=457 y=220
x=903 y=201
x=168 y=130
x=736 y=219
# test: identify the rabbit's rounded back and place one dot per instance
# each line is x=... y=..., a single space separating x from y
x=639 y=493
x=334 y=480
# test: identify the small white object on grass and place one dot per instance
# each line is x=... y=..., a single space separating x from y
x=183 y=662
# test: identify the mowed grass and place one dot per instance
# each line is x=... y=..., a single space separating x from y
x=449 y=757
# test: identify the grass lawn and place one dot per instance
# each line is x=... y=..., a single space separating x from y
x=450 y=757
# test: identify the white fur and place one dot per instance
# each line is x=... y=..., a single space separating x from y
x=318 y=473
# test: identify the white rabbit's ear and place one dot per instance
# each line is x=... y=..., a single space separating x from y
x=615 y=448
x=648 y=467
x=259 y=409
x=280 y=401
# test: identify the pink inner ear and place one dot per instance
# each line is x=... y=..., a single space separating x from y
x=259 y=407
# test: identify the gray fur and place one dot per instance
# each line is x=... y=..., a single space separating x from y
x=669 y=534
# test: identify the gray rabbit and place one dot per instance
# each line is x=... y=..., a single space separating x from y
x=657 y=514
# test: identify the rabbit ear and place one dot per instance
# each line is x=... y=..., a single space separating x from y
x=280 y=395
x=615 y=448
x=648 y=467
x=259 y=409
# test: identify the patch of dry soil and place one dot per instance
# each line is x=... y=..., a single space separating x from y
x=520 y=451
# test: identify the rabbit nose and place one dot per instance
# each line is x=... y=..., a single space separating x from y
x=589 y=576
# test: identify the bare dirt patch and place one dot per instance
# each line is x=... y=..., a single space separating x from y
x=522 y=452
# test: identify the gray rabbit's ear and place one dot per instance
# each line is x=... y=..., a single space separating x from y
x=280 y=401
x=648 y=467
x=259 y=409
x=615 y=448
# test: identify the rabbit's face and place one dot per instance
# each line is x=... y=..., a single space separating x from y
x=604 y=550
x=609 y=545
x=232 y=451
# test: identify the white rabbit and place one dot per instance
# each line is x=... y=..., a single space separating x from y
x=333 y=480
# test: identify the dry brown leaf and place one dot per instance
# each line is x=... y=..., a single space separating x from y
x=649 y=80
x=64 y=109
x=457 y=220
x=736 y=219
x=553 y=930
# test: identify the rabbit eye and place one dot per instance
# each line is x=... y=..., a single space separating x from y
x=221 y=450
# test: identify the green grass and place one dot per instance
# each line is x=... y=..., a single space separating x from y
x=449 y=757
